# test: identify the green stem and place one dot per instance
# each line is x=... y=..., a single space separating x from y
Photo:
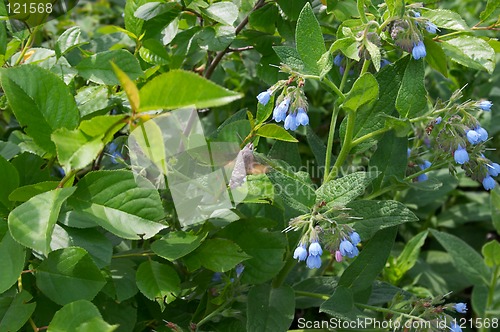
x=361 y=11
x=313 y=295
x=280 y=278
x=329 y=147
x=366 y=65
x=136 y=254
x=334 y=89
x=66 y=178
x=388 y=311
x=346 y=146
x=26 y=46
x=212 y=314
x=491 y=291
x=346 y=74
x=370 y=135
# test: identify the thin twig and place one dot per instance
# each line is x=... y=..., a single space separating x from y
x=220 y=55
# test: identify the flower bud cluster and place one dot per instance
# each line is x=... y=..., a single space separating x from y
x=291 y=104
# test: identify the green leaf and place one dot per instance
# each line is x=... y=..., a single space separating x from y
x=289 y=56
x=364 y=91
x=390 y=159
x=98 y=68
x=24 y=193
x=374 y=52
x=129 y=86
x=158 y=282
x=75 y=149
x=175 y=245
x=41 y=102
x=296 y=193
x=465 y=259
x=264 y=18
x=15 y=311
x=123 y=273
x=292 y=9
x=179 y=88
x=68 y=40
x=92 y=99
x=132 y=23
x=127 y=206
x=263 y=112
x=471 y=52
x=13 y=257
x=32 y=222
x=10 y=181
x=272 y=130
x=8 y=150
x=435 y=56
x=348 y=46
x=495 y=208
x=361 y=273
x=68 y=275
x=317 y=146
x=343 y=190
x=270 y=309
x=267 y=249
x=77 y=316
x=102 y=125
x=218 y=255
x=224 y=12
x=341 y=305
x=491 y=253
x=407 y=259
x=153 y=9
x=479 y=297
x=411 y=100
x=491 y=6
x=309 y=40
x=377 y=215
x=447 y=19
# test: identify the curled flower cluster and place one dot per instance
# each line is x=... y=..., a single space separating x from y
x=291 y=105
x=460 y=133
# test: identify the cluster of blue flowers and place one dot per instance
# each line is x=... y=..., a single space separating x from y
x=347 y=248
x=293 y=118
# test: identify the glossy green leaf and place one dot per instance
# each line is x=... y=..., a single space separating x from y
x=179 y=88
x=68 y=40
x=377 y=215
x=361 y=272
x=411 y=100
x=270 y=309
x=13 y=256
x=263 y=112
x=24 y=193
x=218 y=255
x=41 y=102
x=126 y=206
x=15 y=311
x=343 y=190
x=266 y=248
x=224 y=12
x=264 y=19
x=348 y=46
x=75 y=150
x=68 y=275
x=435 y=56
x=407 y=259
x=8 y=150
x=133 y=23
x=309 y=40
x=153 y=9
x=32 y=222
x=491 y=6
x=97 y=68
x=471 y=52
x=124 y=284
x=102 y=125
x=158 y=282
x=364 y=91
x=272 y=130
x=79 y=316
x=465 y=259
x=175 y=245
x=292 y=9
x=447 y=19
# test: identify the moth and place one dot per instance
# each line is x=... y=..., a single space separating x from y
x=245 y=164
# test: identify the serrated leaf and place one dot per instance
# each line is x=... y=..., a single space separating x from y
x=179 y=88
x=343 y=190
x=24 y=193
x=218 y=255
x=175 y=245
x=364 y=91
x=97 y=68
x=471 y=52
x=132 y=23
x=377 y=215
x=68 y=275
x=129 y=87
x=32 y=222
x=309 y=40
x=125 y=205
x=153 y=9
x=270 y=309
x=224 y=12
x=13 y=256
x=68 y=40
x=103 y=125
x=411 y=100
x=465 y=259
x=77 y=316
x=158 y=282
x=272 y=130
x=41 y=102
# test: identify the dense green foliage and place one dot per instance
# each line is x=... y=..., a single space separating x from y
x=148 y=183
